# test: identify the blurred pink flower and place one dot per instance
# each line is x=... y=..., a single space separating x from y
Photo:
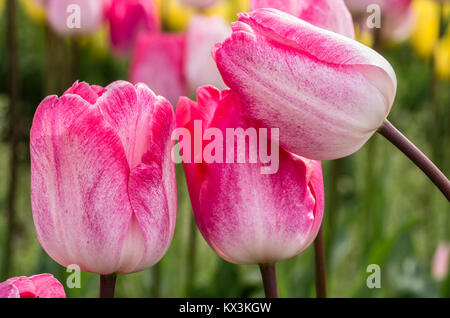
x=441 y=262
x=202 y=34
x=200 y=4
x=245 y=216
x=60 y=15
x=103 y=185
x=38 y=286
x=158 y=61
x=331 y=93
x=397 y=17
x=332 y=15
x=127 y=19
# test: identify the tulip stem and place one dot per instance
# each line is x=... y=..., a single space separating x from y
x=320 y=265
x=107 y=285
x=269 y=278
x=418 y=157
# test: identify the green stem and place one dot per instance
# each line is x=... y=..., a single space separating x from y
x=269 y=277
x=420 y=160
x=320 y=265
x=107 y=285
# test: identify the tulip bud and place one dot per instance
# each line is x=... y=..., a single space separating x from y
x=38 y=286
x=327 y=93
x=332 y=15
x=128 y=18
x=103 y=185
x=257 y=218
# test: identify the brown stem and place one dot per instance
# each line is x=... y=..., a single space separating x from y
x=320 y=265
x=14 y=132
x=107 y=285
x=420 y=160
x=269 y=277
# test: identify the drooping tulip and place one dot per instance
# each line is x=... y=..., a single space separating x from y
x=74 y=16
x=199 y=66
x=127 y=19
x=158 y=61
x=257 y=218
x=331 y=93
x=38 y=286
x=103 y=185
x=316 y=12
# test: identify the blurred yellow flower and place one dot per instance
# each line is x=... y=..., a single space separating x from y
x=442 y=57
x=34 y=10
x=364 y=36
x=97 y=42
x=426 y=31
x=2 y=6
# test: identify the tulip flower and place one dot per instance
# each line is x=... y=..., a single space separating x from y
x=38 y=286
x=127 y=19
x=332 y=15
x=103 y=185
x=202 y=34
x=440 y=262
x=442 y=58
x=63 y=18
x=257 y=218
x=34 y=9
x=426 y=31
x=158 y=61
x=331 y=93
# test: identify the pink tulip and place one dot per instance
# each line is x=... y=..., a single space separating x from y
x=327 y=93
x=245 y=216
x=332 y=15
x=63 y=18
x=158 y=61
x=128 y=18
x=441 y=262
x=202 y=34
x=38 y=286
x=103 y=186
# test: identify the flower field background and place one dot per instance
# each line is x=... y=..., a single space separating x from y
x=379 y=209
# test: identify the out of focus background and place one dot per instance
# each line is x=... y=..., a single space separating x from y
x=380 y=209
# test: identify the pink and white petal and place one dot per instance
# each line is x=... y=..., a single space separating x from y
x=152 y=187
x=8 y=290
x=79 y=180
x=47 y=286
x=24 y=285
x=158 y=62
x=87 y=92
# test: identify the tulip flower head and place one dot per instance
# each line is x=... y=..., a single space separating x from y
x=103 y=185
x=331 y=93
x=38 y=286
x=332 y=15
x=158 y=61
x=257 y=218
x=127 y=19
x=440 y=263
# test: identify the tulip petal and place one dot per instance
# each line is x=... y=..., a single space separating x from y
x=47 y=286
x=8 y=290
x=152 y=184
x=332 y=15
x=328 y=89
x=79 y=180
